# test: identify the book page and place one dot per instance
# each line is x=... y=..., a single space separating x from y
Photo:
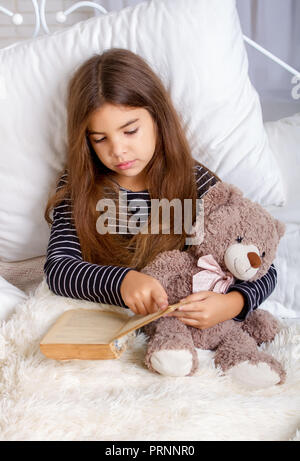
x=137 y=321
x=85 y=326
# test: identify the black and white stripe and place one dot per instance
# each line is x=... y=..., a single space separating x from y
x=68 y=275
x=255 y=292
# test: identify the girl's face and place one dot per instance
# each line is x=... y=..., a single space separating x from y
x=121 y=134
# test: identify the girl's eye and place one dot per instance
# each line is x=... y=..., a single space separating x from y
x=263 y=254
x=126 y=132
x=131 y=132
x=239 y=239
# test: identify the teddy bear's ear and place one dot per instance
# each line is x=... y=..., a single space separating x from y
x=221 y=194
x=280 y=226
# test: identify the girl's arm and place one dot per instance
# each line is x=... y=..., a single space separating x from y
x=255 y=292
x=66 y=272
x=207 y=308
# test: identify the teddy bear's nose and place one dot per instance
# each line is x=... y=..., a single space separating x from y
x=254 y=259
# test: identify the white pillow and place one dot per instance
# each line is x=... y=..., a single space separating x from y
x=284 y=137
x=197 y=48
x=10 y=297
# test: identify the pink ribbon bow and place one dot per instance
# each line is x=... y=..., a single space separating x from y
x=211 y=277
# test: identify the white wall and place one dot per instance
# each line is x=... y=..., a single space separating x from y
x=275 y=25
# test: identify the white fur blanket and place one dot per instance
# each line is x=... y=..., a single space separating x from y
x=43 y=399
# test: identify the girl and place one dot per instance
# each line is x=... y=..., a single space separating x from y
x=123 y=134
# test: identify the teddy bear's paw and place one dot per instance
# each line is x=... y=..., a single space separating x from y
x=172 y=362
x=254 y=376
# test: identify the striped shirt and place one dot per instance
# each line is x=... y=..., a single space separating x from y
x=67 y=274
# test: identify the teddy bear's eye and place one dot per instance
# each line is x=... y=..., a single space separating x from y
x=239 y=239
x=263 y=254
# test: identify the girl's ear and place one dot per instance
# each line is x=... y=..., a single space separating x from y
x=221 y=194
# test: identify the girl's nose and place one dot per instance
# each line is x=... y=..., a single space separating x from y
x=117 y=149
x=119 y=156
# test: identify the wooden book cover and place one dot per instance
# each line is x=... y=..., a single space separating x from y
x=93 y=335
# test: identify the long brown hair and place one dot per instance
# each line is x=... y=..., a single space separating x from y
x=119 y=76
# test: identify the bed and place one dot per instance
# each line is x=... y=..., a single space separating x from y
x=43 y=399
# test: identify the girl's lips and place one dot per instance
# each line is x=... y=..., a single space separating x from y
x=124 y=166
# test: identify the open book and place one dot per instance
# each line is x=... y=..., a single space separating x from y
x=92 y=335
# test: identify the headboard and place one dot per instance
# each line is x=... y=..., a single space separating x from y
x=40 y=14
x=21 y=20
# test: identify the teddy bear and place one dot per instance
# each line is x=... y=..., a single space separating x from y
x=239 y=241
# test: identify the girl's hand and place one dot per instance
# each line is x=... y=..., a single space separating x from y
x=142 y=293
x=207 y=308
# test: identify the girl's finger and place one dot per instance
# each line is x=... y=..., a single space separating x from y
x=190 y=307
x=174 y=314
x=190 y=322
x=161 y=303
x=178 y=314
x=199 y=296
x=141 y=308
x=154 y=307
